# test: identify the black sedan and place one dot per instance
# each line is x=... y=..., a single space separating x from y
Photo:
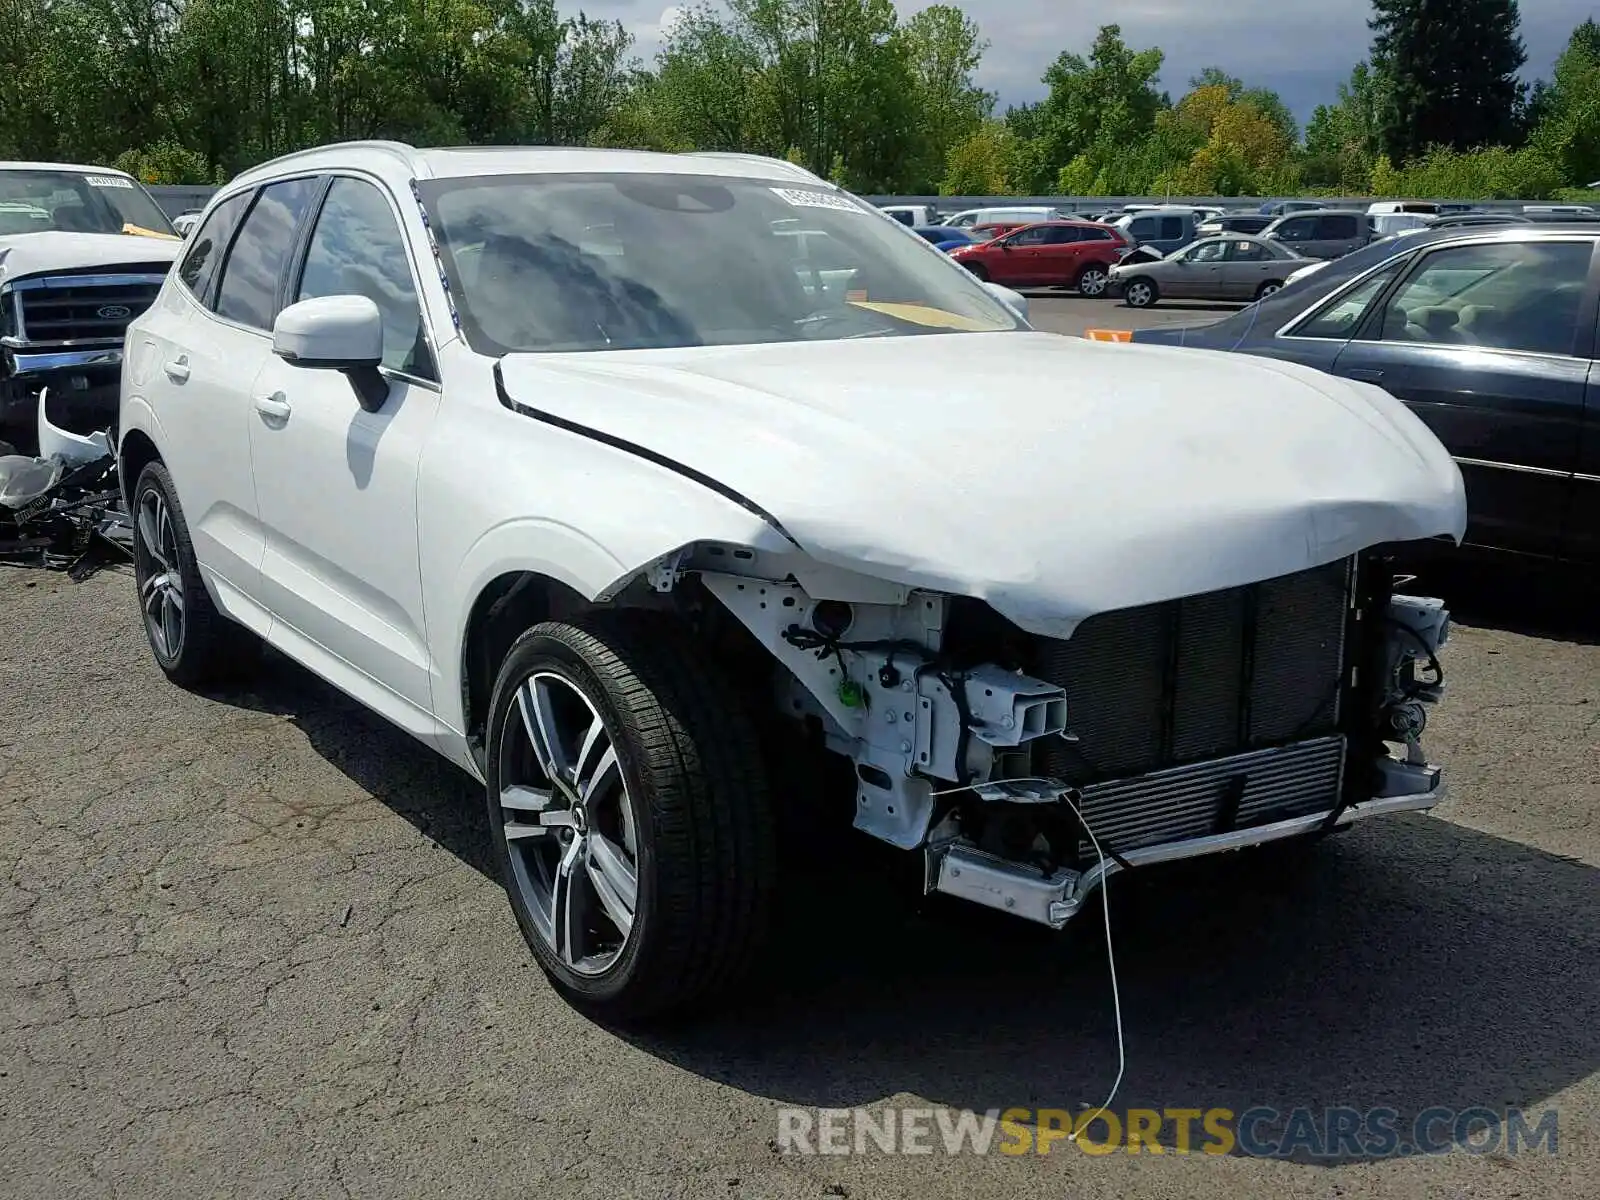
x=1489 y=335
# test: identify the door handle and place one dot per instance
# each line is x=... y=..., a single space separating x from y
x=275 y=406
x=1368 y=373
x=177 y=369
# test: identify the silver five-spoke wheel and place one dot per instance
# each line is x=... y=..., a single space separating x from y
x=161 y=590
x=568 y=823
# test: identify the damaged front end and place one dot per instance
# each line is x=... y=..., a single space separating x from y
x=1028 y=769
x=59 y=508
x=63 y=331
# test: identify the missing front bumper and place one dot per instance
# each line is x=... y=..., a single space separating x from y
x=959 y=869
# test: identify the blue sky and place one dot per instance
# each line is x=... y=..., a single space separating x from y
x=1301 y=48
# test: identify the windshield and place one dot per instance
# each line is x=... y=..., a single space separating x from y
x=76 y=202
x=614 y=262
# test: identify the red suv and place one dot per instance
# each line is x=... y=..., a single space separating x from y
x=1075 y=254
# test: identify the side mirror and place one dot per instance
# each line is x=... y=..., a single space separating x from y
x=336 y=333
x=1015 y=301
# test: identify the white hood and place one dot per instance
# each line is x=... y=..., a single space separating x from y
x=1051 y=476
x=36 y=253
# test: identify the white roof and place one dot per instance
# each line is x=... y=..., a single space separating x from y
x=78 y=168
x=465 y=161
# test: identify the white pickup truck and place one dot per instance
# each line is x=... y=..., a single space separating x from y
x=83 y=250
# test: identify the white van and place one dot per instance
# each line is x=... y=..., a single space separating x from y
x=1427 y=207
x=915 y=215
x=983 y=216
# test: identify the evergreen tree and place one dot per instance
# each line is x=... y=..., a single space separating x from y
x=1452 y=67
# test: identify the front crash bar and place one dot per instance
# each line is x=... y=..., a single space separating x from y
x=958 y=869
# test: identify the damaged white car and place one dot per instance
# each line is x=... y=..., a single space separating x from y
x=83 y=250
x=609 y=525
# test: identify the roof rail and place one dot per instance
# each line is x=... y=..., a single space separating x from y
x=765 y=159
x=400 y=150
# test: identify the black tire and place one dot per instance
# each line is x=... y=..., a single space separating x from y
x=1140 y=292
x=979 y=271
x=209 y=647
x=1092 y=281
x=696 y=789
x=1267 y=288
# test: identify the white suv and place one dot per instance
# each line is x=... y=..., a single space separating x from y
x=561 y=461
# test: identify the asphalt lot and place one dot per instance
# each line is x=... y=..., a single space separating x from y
x=251 y=948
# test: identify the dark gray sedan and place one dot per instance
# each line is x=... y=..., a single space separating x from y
x=1489 y=335
x=1235 y=267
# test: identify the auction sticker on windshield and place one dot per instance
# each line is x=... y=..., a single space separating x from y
x=801 y=198
x=108 y=181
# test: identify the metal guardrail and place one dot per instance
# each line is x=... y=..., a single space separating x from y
x=953 y=204
x=180 y=198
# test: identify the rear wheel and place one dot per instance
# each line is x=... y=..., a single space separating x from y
x=1140 y=293
x=192 y=641
x=1092 y=281
x=1267 y=288
x=630 y=815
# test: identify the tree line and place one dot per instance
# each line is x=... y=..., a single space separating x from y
x=193 y=91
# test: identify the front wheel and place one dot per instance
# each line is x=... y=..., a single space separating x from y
x=1140 y=293
x=979 y=271
x=1092 y=281
x=629 y=812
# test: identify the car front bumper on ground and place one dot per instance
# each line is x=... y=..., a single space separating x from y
x=966 y=872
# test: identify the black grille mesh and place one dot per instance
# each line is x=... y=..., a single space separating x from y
x=1198 y=678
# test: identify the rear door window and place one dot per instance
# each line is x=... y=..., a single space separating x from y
x=1142 y=227
x=198 y=269
x=1341 y=316
x=1171 y=227
x=1060 y=235
x=248 y=293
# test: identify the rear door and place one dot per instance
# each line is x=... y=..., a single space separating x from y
x=1489 y=343
x=1246 y=266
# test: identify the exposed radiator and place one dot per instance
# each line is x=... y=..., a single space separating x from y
x=1214 y=797
x=1200 y=678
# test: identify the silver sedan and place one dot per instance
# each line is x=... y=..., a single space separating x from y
x=1234 y=267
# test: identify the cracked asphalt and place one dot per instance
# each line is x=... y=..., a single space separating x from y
x=250 y=948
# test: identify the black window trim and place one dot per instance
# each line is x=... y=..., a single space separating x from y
x=260 y=187
x=289 y=283
x=1583 y=339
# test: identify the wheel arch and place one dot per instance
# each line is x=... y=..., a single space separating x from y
x=137 y=451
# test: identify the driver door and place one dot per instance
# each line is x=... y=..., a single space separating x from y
x=1195 y=271
x=1017 y=259
x=336 y=485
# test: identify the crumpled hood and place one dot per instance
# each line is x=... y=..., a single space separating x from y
x=36 y=253
x=1051 y=476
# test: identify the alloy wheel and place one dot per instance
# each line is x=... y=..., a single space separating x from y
x=1138 y=295
x=161 y=589
x=568 y=823
x=1092 y=282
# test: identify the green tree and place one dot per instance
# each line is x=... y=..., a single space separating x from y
x=1452 y=67
x=943 y=49
x=1568 y=131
